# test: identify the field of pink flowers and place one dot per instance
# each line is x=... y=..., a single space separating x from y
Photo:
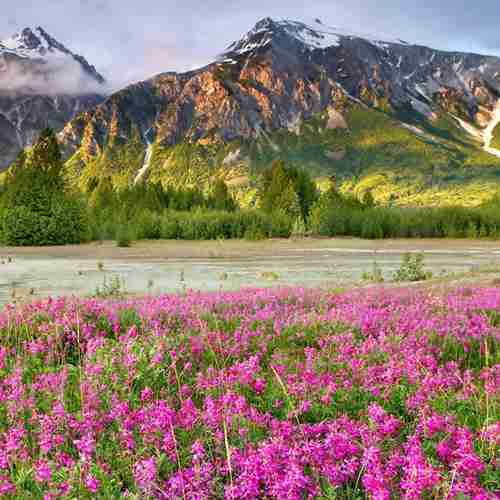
x=258 y=394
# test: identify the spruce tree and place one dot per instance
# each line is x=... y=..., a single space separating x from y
x=274 y=182
x=35 y=177
x=221 y=198
x=38 y=211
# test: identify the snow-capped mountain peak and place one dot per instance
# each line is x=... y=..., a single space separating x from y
x=32 y=42
x=312 y=35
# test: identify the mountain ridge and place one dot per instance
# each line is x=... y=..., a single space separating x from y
x=275 y=80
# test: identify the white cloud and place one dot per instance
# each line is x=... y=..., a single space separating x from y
x=52 y=76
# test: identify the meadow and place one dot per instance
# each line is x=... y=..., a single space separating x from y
x=278 y=394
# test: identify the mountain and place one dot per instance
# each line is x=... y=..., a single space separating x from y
x=42 y=83
x=411 y=124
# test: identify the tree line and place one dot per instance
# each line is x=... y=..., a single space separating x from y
x=37 y=207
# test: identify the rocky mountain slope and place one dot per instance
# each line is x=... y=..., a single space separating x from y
x=42 y=83
x=401 y=120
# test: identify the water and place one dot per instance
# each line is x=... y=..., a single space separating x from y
x=42 y=275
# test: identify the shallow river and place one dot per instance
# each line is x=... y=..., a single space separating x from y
x=41 y=274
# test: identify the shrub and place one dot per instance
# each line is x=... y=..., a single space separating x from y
x=123 y=236
x=299 y=228
x=254 y=233
x=375 y=276
x=168 y=228
x=147 y=225
x=67 y=224
x=21 y=227
x=412 y=269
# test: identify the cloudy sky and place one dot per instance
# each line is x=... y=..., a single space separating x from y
x=129 y=40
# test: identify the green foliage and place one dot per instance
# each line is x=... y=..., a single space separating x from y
x=287 y=189
x=36 y=208
x=147 y=225
x=412 y=269
x=299 y=227
x=112 y=289
x=21 y=225
x=375 y=276
x=212 y=225
x=335 y=214
x=368 y=200
x=123 y=237
x=254 y=233
x=220 y=198
x=495 y=143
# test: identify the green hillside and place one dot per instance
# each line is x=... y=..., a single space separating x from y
x=404 y=161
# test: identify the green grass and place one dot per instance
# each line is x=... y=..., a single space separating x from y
x=496 y=137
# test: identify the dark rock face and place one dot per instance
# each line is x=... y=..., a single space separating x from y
x=283 y=72
x=42 y=84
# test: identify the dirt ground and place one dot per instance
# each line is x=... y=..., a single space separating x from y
x=169 y=249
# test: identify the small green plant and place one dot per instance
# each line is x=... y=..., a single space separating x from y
x=254 y=234
x=269 y=275
x=375 y=276
x=114 y=289
x=299 y=227
x=412 y=269
x=123 y=237
x=100 y=266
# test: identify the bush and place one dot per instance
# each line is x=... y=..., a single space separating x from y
x=375 y=276
x=412 y=269
x=254 y=234
x=21 y=227
x=335 y=215
x=67 y=224
x=168 y=228
x=123 y=237
x=148 y=225
x=299 y=228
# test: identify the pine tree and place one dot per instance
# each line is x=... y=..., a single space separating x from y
x=38 y=211
x=288 y=202
x=305 y=188
x=221 y=198
x=34 y=178
x=274 y=182
x=47 y=157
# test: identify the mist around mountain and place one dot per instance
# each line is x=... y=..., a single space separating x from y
x=42 y=84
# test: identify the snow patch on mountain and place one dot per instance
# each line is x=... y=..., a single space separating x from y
x=312 y=35
x=488 y=131
x=315 y=34
x=485 y=135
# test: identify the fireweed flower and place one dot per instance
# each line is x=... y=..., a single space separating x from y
x=145 y=474
x=279 y=394
x=91 y=483
x=43 y=471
